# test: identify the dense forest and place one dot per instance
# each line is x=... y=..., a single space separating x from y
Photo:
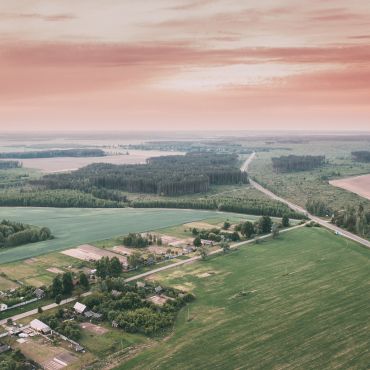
x=15 y=233
x=167 y=175
x=294 y=163
x=318 y=208
x=354 y=220
x=6 y=165
x=361 y=156
x=54 y=153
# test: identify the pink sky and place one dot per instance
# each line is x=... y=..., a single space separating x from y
x=185 y=64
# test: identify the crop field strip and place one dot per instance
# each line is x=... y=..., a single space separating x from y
x=73 y=226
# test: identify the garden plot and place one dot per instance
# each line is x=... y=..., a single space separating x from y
x=87 y=252
x=94 y=329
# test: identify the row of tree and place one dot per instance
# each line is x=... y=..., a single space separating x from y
x=54 y=153
x=6 y=165
x=318 y=208
x=15 y=233
x=55 y=198
x=361 y=156
x=354 y=220
x=294 y=163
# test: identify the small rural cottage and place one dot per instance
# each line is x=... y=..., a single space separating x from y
x=79 y=307
x=40 y=326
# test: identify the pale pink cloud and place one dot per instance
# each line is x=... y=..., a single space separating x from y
x=173 y=64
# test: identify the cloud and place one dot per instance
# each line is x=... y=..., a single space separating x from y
x=337 y=15
x=172 y=54
x=49 y=18
x=192 y=5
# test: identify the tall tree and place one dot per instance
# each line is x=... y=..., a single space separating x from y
x=67 y=281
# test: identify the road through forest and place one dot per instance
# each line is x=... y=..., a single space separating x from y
x=300 y=209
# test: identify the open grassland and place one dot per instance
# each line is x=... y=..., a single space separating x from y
x=75 y=226
x=301 y=186
x=298 y=302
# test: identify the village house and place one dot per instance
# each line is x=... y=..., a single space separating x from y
x=39 y=326
x=3 y=307
x=92 y=315
x=79 y=307
x=207 y=242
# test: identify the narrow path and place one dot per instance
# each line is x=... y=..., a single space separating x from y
x=295 y=207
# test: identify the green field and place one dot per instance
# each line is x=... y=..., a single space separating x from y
x=75 y=226
x=304 y=305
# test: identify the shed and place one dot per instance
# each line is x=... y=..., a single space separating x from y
x=39 y=293
x=4 y=348
x=40 y=326
x=116 y=293
x=158 y=289
x=79 y=307
x=3 y=306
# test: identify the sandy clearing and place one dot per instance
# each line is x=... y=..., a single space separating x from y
x=158 y=300
x=359 y=185
x=87 y=252
x=92 y=328
x=55 y=270
x=200 y=225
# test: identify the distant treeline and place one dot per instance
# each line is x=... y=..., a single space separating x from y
x=167 y=175
x=54 y=153
x=16 y=233
x=54 y=198
x=361 y=156
x=294 y=163
x=245 y=206
x=5 y=165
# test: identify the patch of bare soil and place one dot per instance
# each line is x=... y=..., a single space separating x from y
x=359 y=185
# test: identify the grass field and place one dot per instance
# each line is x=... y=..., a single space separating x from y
x=75 y=226
x=298 y=302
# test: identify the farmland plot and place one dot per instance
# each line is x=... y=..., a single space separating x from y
x=297 y=302
x=75 y=226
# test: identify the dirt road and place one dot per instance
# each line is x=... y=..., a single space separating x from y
x=44 y=308
x=197 y=258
